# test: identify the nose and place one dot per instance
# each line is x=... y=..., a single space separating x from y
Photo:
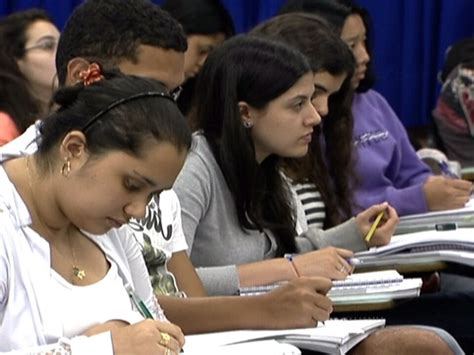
x=136 y=209
x=313 y=117
x=361 y=54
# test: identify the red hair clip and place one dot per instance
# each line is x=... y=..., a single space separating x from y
x=92 y=75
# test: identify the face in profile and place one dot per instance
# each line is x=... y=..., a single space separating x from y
x=354 y=35
x=164 y=65
x=199 y=47
x=285 y=126
x=325 y=84
x=38 y=61
x=104 y=192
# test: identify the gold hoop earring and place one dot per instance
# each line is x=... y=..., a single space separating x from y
x=66 y=168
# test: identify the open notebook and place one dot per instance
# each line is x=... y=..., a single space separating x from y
x=463 y=217
x=334 y=337
x=456 y=246
x=365 y=287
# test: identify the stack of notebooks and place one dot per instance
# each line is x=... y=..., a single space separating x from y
x=420 y=248
x=356 y=289
x=333 y=337
x=459 y=218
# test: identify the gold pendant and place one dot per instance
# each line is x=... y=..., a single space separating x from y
x=79 y=273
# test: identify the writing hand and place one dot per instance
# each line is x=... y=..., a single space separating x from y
x=443 y=194
x=328 y=262
x=145 y=338
x=301 y=302
x=386 y=227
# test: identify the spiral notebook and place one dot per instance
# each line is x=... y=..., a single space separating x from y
x=366 y=287
x=462 y=218
x=334 y=337
x=454 y=246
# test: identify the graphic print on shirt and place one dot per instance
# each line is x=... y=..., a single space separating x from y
x=151 y=236
x=370 y=138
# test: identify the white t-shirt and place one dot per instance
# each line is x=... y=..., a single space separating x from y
x=160 y=234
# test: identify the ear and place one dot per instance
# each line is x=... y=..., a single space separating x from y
x=74 y=148
x=74 y=67
x=246 y=112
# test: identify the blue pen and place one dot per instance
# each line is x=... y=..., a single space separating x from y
x=445 y=170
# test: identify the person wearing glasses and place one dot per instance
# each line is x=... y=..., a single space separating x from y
x=31 y=38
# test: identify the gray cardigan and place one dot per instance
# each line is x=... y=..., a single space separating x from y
x=215 y=239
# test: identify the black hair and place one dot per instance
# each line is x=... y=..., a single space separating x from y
x=13 y=30
x=206 y=17
x=326 y=52
x=336 y=13
x=15 y=96
x=461 y=52
x=330 y=10
x=256 y=71
x=107 y=31
x=123 y=120
x=369 y=79
x=201 y=17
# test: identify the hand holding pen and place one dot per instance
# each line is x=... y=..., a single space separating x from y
x=377 y=224
x=443 y=193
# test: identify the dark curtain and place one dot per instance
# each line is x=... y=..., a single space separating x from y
x=410 y=38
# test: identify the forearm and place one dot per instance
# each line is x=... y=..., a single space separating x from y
x=265 y=272
x=345 y=235
x=212 y=314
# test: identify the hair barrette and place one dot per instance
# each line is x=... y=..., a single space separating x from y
x=91 y=75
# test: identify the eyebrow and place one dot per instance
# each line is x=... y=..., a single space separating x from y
x=144 y=178
x=320 y=87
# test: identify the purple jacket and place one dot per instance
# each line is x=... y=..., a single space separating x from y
x=386 y=163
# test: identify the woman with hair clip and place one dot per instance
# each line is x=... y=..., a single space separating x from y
x=68 y=271
x=386 y=166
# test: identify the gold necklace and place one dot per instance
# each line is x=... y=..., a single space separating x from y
x=76 y=271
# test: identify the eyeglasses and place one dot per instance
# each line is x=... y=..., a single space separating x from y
x=176 y=92
x=48 y=44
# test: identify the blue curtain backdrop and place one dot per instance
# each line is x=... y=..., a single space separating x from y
x=410 y=38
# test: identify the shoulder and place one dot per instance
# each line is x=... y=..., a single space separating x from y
x=200 y=164
x=372 y=98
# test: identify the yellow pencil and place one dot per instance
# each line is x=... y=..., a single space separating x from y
x=374 y=226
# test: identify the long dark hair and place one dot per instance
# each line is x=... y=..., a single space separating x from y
x=256 y=71
x=15 y=96
x=325 y=51
x=117 y=113
x=13 y=30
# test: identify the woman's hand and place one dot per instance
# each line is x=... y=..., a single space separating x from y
x=300 y=303
x=327 y=262
x=105 y=327
x=386 y=227
x=444 y=194
x=146 y=338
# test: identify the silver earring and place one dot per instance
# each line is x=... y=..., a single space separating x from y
x=248 y=124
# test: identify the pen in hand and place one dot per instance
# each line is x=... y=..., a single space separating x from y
x=138 y=303
x=374 y=226
x=443 y=166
